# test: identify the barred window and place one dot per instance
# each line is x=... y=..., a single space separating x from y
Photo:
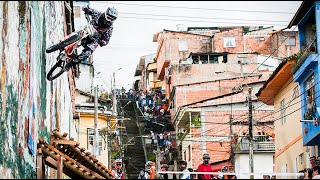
x=90 y=136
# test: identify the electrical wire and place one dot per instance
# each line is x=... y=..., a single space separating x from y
x=274 y=50
x=193 y=8
x=161 y=15
x=183 y=20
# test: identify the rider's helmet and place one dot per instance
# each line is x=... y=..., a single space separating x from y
x=118 y=163
x=111 y=14
x=107 y=18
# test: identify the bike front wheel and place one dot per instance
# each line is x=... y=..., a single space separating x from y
x=57 y=69
x=64 y=43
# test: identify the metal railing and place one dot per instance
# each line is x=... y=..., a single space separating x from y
x=260 y=144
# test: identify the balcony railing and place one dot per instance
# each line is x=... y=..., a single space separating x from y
x=260 y=144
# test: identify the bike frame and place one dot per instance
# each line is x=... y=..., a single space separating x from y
x=86 y=31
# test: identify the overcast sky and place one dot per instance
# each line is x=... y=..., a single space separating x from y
x=139 y=20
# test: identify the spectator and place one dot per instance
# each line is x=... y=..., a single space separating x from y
x=192 y=176
x=313 y=161
x=315 y=172
x=205 y=167
x=266 y=176
x=231 y=170
x=183 y=168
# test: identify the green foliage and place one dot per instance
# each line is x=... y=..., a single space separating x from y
x=196 y=121
x=151 y=157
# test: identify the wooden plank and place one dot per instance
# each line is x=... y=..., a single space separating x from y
x=73 y=161
x=52 y=161
x=65 y=142
x=39 y=164
x=60 y=167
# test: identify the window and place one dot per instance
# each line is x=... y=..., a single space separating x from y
x=259 y=38
x=290 y=41
x=283 y=112
x=296 y=92
x=301 y=158
x=310 y=98
x=229 y=42
x=185 y=155
x=90 y=135
x=183 y=45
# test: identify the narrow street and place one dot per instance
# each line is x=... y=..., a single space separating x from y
x=159 y=90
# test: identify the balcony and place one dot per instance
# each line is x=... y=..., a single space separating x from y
x=260 y=144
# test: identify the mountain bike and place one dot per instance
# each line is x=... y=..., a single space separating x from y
x=68 y=50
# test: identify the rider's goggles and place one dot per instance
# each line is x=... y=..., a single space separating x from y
x=110 y=18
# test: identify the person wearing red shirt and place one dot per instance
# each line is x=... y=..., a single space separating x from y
x=205 y=167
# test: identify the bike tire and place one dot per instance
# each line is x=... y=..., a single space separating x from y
x=64 y=43
x=51 y=76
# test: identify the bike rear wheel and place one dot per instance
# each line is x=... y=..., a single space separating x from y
x=57 y=69
x=64 y=43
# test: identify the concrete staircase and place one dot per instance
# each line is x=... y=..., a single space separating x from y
x=134 y=154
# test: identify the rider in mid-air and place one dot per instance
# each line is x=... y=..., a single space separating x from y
x=103 y=25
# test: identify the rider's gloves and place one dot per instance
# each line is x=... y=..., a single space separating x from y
x=85 y=9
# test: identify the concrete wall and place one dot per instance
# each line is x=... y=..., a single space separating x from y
x=263 y=163
x=169 y=50
x=30 y=106
x=289 y=145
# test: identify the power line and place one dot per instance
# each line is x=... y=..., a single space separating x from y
x=197 y=17
x=274 y=50
x=183 y=20
x=288 y=89
x=211 y=9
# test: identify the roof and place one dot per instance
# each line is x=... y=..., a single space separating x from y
x=186 y=32
x=284 y=68
x=76 y=162
x=303 y=9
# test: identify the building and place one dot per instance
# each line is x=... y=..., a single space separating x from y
x=31 y=106
x=203 y=68
x=306 y=72
x=85 y=125
x=283 y=93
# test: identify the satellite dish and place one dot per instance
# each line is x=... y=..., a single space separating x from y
x=189 y=60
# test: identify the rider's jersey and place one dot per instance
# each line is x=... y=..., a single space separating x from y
x=105 y=33
x=117 y=175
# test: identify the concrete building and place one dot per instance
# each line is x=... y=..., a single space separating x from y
x=85 y=125
x=202 y=68
x=31 y=106
x=283 y=93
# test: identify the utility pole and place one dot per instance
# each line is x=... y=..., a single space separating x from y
x=114 y=104
x=109 y=143
x=250 y=133
x=95 y=141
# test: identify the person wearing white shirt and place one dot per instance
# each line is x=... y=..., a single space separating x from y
x=183 y=168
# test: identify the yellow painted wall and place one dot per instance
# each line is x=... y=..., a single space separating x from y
x=87 y=121
x=288 y=139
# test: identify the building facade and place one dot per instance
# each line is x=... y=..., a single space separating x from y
x=31 y=106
